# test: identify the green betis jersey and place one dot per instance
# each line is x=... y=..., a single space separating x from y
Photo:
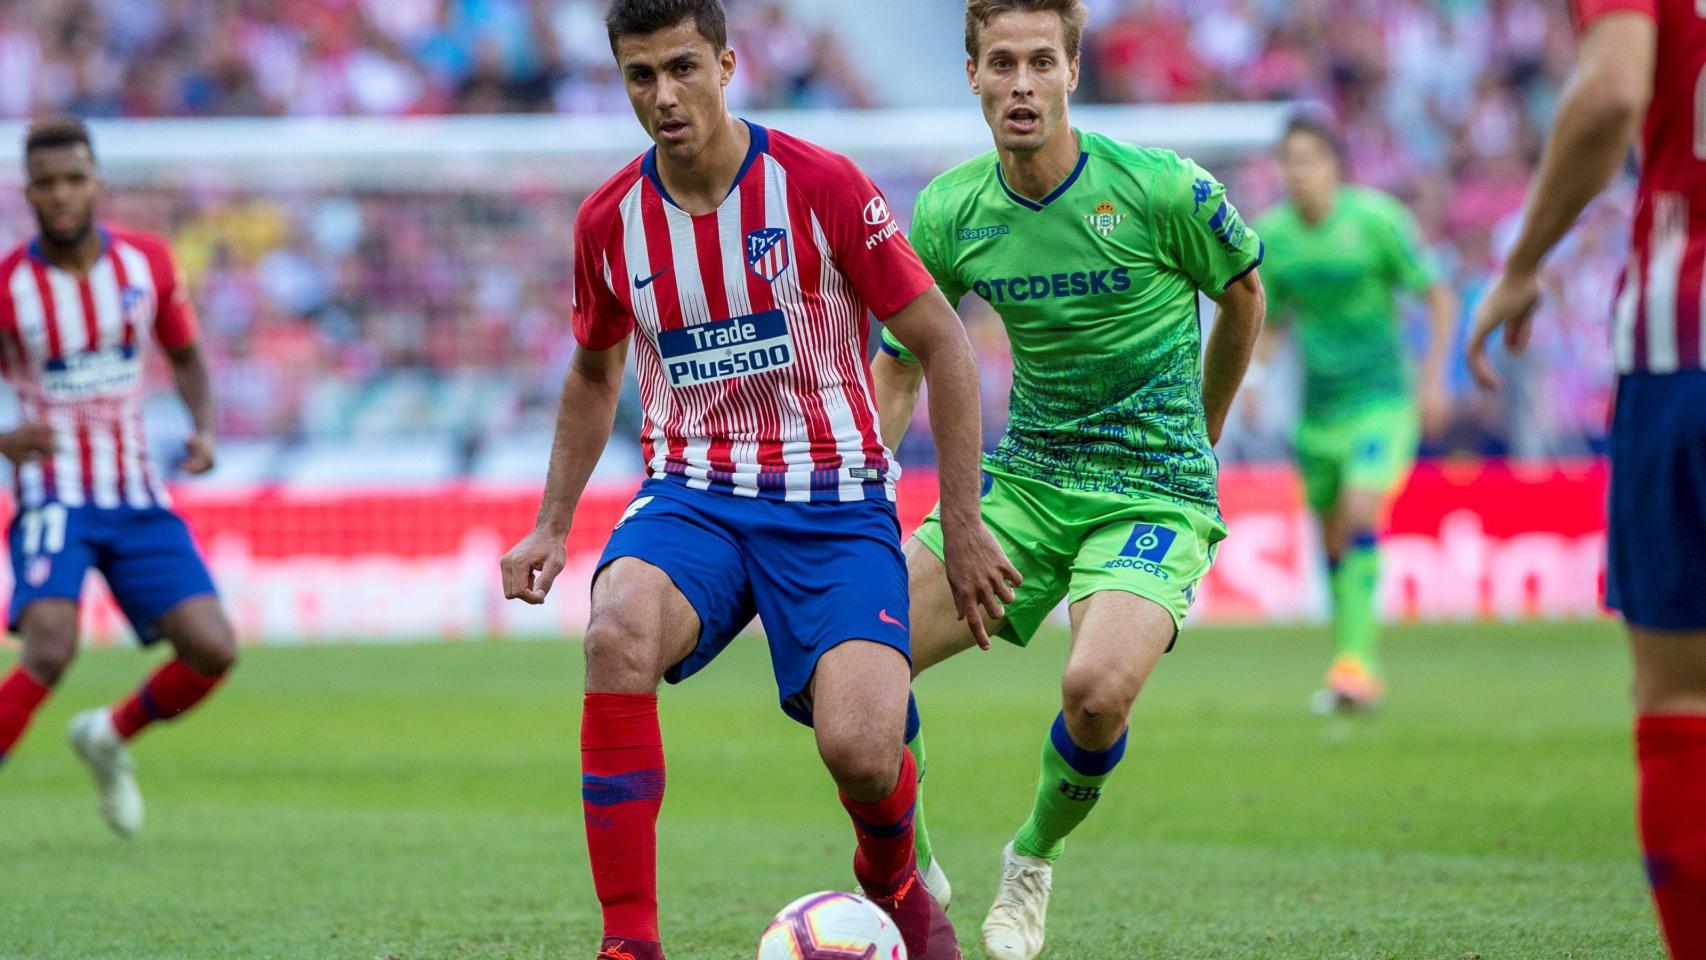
x=1097 y=286
x=1338 y=281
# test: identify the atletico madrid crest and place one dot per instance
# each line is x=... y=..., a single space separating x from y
x=1104 y=221
x=767 y=252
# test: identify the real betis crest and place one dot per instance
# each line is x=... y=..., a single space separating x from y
x=1105 y=220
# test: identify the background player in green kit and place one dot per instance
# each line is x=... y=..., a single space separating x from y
x=1103 y=490
x=1338 y=257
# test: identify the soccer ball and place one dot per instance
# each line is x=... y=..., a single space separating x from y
x=831 y=926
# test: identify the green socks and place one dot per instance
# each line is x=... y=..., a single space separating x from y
x=1068 y=788
x=915 y=746
x=1356 y=620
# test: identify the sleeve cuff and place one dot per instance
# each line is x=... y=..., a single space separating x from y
x=1261 y=254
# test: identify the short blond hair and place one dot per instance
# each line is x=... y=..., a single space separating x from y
x=1073 y=16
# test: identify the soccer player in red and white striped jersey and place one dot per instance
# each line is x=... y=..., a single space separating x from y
x=80 y=306
x=739 y=265
x=1643 y=68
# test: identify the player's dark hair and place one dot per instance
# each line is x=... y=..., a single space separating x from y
x=57 y=132
x=1073 y=16
x=1308 y=125
x=626 y=18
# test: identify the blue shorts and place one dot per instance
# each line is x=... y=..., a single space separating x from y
x=1656 y=571
x=816 y=574
x=147 y=556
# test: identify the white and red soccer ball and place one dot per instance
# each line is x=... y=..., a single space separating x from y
x=831 y=926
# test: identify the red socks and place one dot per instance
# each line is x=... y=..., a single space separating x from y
x=1672 y=751
x=622 y=782
x=20 y=695
x=172 y=689
x=884 y=829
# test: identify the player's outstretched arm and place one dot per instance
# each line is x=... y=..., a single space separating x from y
x=1241 y=309
x=979 y=573
x=585 y=416
x=1597 y=119
x=896 y=380
x=195 y=387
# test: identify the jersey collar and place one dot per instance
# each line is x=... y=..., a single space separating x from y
x=36 y=253
x=760 y=144
x=1028 y=203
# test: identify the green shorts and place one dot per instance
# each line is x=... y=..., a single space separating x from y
x=1072 y=543
x=1372 y=449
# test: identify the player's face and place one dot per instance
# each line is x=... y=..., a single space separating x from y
x=1023 y=76
x=675 y=81
x=1310 y=168
x=62 y=190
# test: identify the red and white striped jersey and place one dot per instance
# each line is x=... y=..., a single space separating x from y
x=751 y=319
x=1661 y=299
x=73 y=347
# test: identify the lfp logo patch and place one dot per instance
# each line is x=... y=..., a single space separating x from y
x=1146 y=549
x=767 y=252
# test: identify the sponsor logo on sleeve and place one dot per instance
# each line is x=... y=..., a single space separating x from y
x=877 y=212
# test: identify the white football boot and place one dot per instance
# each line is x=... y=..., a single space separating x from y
x=1014 y=928
x=95 y=740
x=935 y=881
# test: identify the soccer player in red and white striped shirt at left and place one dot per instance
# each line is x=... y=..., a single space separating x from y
x=80 y=305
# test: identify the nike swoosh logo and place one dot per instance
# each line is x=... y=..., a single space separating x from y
x=883 y=615
x=640 y=284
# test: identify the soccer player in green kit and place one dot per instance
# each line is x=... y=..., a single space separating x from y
x=1339 y=256
x=1103 y=491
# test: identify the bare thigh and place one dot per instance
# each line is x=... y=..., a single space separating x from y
x=641 y=626
x=1670 y=670
x=937 y=631
x=48 y=629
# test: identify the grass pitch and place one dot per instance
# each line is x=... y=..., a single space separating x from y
x=422 y=803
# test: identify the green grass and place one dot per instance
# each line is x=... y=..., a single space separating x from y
x=422 y=803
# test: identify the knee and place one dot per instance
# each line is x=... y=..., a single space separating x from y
x=621 y=653
x=48 y=652
x=864 y=771
x=212 y=653
x=1094 y=699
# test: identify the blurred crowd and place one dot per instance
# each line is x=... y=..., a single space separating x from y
x=1443 y=103
x=337 y=315
x=174 y=58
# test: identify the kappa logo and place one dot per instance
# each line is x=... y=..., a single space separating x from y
x=877 y=212
x=767 y=253
x=1202 y=190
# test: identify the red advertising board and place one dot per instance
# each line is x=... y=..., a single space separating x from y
x=1464 y=541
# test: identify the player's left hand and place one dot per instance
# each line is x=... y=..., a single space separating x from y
x=1509 y=303
x=979 y=574
x=199 y=453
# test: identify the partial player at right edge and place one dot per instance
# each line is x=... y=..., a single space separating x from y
x=1643 y=58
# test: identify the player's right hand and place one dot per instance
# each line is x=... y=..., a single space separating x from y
x=29 y=442
x=532 y=565
x=1509 y=303
x=979 y=574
